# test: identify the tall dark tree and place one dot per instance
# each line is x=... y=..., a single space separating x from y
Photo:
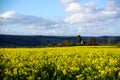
x=92 y=41
x=79 y=39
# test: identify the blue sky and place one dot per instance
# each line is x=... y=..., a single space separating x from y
x=60 y=17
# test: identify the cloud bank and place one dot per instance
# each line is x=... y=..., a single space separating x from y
x=90 y=13
x=13 y=18
x=94 y=20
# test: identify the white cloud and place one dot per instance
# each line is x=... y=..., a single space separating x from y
x=74 y=8
x=107 y=28
x=110 y=5
x=8 y=14
x=94 y=20
x=67 y=1
x=13 y=18
x=89 y=12
x=92 y=17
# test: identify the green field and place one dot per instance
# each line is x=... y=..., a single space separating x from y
x=60 y=63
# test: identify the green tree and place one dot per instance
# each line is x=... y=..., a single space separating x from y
x=79 y=39
x=51 y=45
x=67 y=43
x=61 y=44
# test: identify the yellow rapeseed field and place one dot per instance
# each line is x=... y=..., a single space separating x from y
x=60 y=63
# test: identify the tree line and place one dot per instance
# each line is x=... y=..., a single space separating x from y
x=38 y=41
x=79 y=42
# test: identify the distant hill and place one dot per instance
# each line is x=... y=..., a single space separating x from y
x=32 y=41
